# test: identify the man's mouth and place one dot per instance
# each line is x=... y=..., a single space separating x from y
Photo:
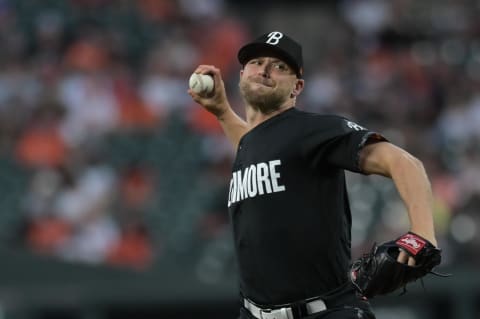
x=263 y=82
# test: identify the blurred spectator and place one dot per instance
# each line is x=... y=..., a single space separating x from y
x=45 y=232
x=133 y=249
x=134 y=113
x=86 y=205
x=164 y=83
x=91 y=107
x=41 y=143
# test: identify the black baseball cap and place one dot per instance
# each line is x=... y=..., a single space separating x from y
x=275 y=44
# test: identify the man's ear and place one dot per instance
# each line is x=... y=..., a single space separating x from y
x=298 y=87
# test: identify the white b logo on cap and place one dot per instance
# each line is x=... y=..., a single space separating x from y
x=274 y=37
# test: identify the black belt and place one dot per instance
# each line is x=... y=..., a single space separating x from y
x=339 y=297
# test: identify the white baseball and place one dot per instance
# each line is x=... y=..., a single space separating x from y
x=201 y=83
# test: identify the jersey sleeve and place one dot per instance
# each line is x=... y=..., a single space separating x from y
x=337 y=142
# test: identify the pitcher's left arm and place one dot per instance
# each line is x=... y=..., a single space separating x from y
x=411 y=181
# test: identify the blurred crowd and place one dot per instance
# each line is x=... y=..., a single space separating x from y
x=104 y=158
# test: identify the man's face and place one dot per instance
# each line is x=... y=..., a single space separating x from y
x=267 y=83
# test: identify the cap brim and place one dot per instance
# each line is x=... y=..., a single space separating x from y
x=255 y=50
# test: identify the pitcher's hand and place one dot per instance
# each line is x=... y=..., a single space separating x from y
x=215 y=102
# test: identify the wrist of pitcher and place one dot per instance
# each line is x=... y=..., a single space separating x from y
x=222 y=111
x=428 y=234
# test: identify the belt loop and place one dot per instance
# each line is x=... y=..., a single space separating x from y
x=299 y=310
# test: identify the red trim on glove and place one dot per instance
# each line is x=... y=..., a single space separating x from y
x=411 y=243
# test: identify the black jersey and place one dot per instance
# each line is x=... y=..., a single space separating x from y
x=289 y=206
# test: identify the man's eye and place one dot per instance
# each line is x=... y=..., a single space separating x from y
x=281 y=66
x=256 y=62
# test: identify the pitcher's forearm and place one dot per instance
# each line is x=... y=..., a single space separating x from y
x=414 y=187
x=233 y=126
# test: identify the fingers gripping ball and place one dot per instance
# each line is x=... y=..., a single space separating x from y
x=379 y=272
x=201 y=83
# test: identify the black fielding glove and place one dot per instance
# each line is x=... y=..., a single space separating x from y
x=378 y=272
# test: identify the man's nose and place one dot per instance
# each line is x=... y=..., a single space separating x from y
x=264 y=70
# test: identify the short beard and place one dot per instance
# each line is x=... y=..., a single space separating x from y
x=265 y=103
